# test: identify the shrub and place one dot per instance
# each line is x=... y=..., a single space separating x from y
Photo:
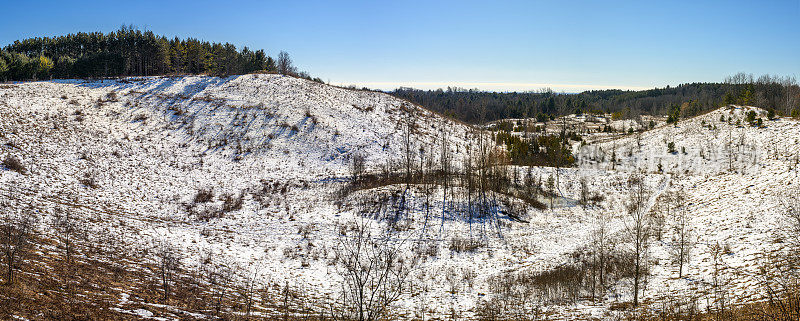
x=461 y=244
x=14 y=164
x=204 y=196
x=140 y=117
x=89 y=180
x=111 y=96
x=751 y=116
x=231 y=202
x=671 y=147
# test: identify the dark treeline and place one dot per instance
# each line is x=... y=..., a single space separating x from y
x=474 y=106
x=131 y=52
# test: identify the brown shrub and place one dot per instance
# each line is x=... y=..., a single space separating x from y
x=461 y=244
x=14 y=164
x=204 y=196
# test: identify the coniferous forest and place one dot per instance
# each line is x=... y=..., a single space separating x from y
x=130 y=51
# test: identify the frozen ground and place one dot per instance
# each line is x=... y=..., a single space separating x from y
x=134 y=161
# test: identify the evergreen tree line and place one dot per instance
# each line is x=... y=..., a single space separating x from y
x=131 y=52
x=781 y=94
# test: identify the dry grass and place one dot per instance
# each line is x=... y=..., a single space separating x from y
x=91 y=287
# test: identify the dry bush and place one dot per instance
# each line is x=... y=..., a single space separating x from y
x=89 y=180
x=462 y=244
x=14 y=164
x=426 y=249
x=374 y=274
x=139 y=118
x=111 y=96
x=204 y=195
x=231 y=202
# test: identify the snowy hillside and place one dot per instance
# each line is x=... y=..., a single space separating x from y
x=133 y=155
x=249 y=170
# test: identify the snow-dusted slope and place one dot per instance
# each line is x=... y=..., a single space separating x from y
x=133 y=161
x=132 y=154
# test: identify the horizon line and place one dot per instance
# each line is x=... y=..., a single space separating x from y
x=487 y=86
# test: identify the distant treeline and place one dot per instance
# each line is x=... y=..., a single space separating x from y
x=474 y=106
x=131 y=52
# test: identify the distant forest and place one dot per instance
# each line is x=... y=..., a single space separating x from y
x=132 y=52
x=474 y=106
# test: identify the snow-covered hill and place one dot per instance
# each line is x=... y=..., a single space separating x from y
x=133 y=155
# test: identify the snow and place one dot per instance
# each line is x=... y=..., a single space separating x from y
x=164 y=138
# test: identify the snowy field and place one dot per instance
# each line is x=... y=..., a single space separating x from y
x=133 y=154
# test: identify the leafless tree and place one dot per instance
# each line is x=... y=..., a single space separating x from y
x=600 y=253
x=639 y=229
x=248 y=286
x=66 y=228
x=791 y=204
x=16 y=233
x=719 y=282
x=284 y=64
x=445 y=160
x=218 y=275
x=357 y=166
x=409 y=127
x=374 y=273
x=584 y=192
x=682 y=231
x=168 y=262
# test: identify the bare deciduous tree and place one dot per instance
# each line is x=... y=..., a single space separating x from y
x=218 y=275
x=285 y=65
x=638 y=227
x=168 y=263
x=357 y=166
x=600 y=253
x=248 y=286
x=373 y=273
x=682 y=231
x=66 y=227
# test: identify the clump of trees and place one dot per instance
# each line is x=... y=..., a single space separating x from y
x=132 y=52
x=544 y=150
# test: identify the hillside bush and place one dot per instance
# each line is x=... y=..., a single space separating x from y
x=462 y=244
x=204 y=196
x=14 y=164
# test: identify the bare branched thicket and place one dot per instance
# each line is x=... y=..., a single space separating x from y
x=374 y=273
x=168 y=260
x=639 y=228
x=68 y=228
x=357 y=167
x=465 y=244
x=16 y=232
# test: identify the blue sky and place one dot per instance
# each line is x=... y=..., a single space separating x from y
x=492 y=45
